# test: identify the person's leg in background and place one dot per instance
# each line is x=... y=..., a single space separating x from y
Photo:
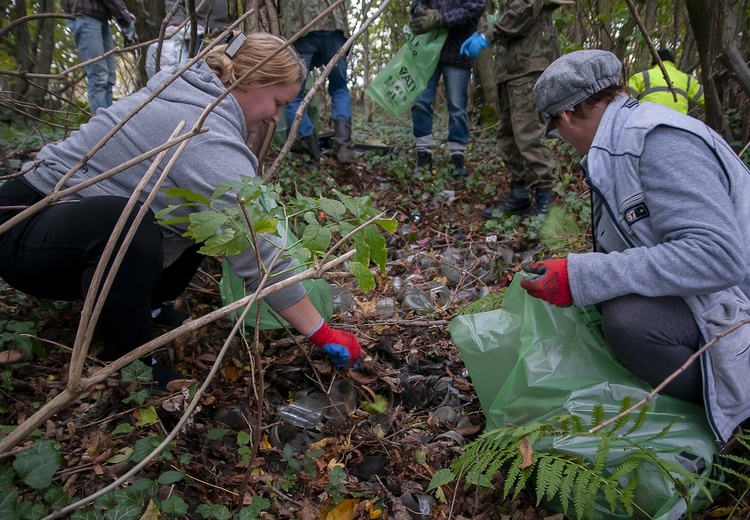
x=653 y=337
x=538 y=163
x=456 y=89
x=518 y=199
x=307 y=47
x=93 y=38
x=341 y=104
x=422 y=115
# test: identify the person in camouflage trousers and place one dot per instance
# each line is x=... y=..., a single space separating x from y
x=316 y=48
x=526 y=42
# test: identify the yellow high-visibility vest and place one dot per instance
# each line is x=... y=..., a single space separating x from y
x=650 y=85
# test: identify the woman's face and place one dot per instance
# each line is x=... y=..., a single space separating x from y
x=263 y=104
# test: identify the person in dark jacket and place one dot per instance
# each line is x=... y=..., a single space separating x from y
x=460 y=17
x=92 y=34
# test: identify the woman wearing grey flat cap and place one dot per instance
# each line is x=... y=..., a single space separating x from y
x=670 y=269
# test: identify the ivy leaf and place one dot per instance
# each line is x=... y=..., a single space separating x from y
x=217 y=511
x=137 y=371
x=37 y=465
x=124 y=512
x=147 y=416
x=86 y=515
x=174 y=506
x=56 y=497
x=170 y=477
x=217 y=433
x=8 y=501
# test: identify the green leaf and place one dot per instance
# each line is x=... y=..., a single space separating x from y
x=170 y=477
x=174 y=506
x=217 y=511
x=332 y=208
x=316 y=238
x=56 y=497
x=37 y=465
x=123 y=428
x=31 y=510
x=243 y=438
x=266 y=225
x=440 y=478
x=6 y=478
x=227 y=242
x=137 y=371
x=8 y=501
x=217 y=433
x=389 y=225
x=365 y=279
x=205 y=224
x=143 y=447
x=148 y=416
x=86 y=515
x=379 y=406
x=188 y=195
x=123 y=512
x=377 y=246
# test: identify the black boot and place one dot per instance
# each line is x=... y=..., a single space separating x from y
x=518 y=202
x=342 y=130
x=424 y=160
x=309 y=144
x=459 y=170
x=544 y=199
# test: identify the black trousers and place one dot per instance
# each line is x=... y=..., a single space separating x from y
x=653 y=337
x=53 y=255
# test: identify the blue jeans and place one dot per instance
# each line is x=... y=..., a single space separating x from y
x=456 y=85
x=317 y=48
x=93 y=39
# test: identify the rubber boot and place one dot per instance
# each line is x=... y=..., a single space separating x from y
x=518 y=202
x=424 y=160
x=544 y=199
x=309 y=145
x=459 y=170
x=342 y=130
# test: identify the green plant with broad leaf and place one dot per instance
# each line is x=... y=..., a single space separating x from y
x=225 y=229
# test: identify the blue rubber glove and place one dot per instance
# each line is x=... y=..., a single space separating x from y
x=473 y=44
x=341 y=346
x=129 y=37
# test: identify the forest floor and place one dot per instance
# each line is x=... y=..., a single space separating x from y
x=408 y=410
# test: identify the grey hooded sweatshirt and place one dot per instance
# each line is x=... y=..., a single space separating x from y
x=210 y=158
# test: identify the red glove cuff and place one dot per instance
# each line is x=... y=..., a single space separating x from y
x=552 y=285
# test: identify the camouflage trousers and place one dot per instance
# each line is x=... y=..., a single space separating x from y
x=520 y=136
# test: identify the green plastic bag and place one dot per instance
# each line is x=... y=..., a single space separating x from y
x=232 y=288
x=531 y=361
x=405 y=77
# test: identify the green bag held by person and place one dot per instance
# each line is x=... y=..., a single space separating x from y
x=530 y=361
x=404 y=78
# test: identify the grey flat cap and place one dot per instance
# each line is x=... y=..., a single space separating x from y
x=571 y=79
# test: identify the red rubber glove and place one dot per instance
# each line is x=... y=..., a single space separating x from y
x=342 y=346
x=549 y=281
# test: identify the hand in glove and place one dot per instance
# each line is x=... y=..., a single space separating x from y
x=550 y=283
x=473 y=44
x=129 y=37
x=425 y=20
x=342 y=346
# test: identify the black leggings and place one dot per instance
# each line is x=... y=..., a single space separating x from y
x=653 y=337
x=53 y=255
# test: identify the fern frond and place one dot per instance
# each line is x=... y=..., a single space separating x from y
x=622 y=421
x=510 y=478
x=598 y=415
x=549 y=476
x=639 y=420
x=566 y=485
x=585 y=491
x=602 y=452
